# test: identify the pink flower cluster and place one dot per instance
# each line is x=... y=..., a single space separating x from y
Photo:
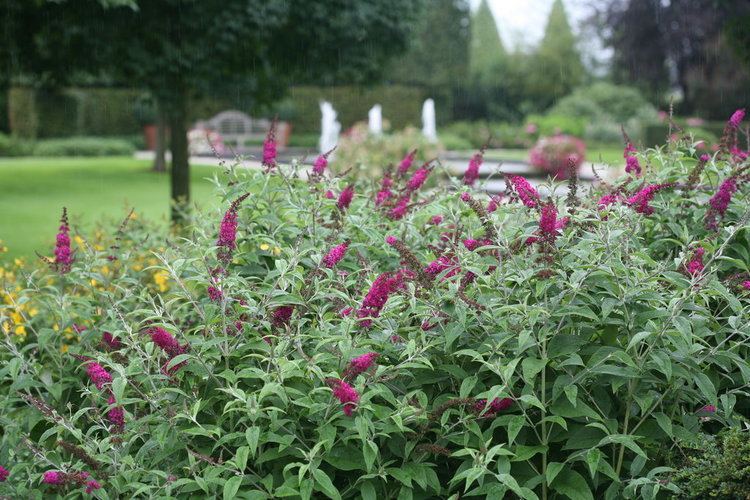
x=214 y=294
x=111 y=341
x=496 y=406
x=442 y=264
x=736 y=119
x=360 y=364
x=4 y=473
x=632 y=166
x=98 y=375
x=695 y=264
x=335 y=254
x=407 y=162
x=640 y=200
x=720 y=201
x=116 y=415
x=281 y=316
x=346 y=394
x=63 y=253
x=557 y=154
x=227 y=240
x=418 y=178
x=472 y=171
x=58 y=478
x=269 y=147
x=385 y=190
x=525 y=191
x=402 y=206
x=345 y=198
x=321 y=163
x=376 y=298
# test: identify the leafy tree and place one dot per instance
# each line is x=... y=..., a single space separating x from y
x=180 y=49
x=556 y=68
x=487 y=52
x=438 y=51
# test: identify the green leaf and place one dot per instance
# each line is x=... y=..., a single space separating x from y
x=240 y=459
x=252 y=435
x=231 y=487
x=531 y=368
x=514 y=426
x=368 y=491
x=467 y=385
x=571 y=392
x=706 y=387
x=665 y=423
x=326 y=486
x=553 y=469
x=573 y=485
x=593 y=456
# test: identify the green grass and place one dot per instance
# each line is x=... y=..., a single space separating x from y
x=34 y=190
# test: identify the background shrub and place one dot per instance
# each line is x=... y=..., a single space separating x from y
x=13 y=146
x=84 y=146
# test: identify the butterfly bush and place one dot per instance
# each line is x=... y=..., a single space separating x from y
x=415 y=345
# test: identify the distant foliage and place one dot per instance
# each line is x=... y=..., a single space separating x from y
x=84 y=146
x=334 y=337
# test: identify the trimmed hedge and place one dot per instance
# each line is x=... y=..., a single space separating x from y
x=84 y=146
x=402 y=105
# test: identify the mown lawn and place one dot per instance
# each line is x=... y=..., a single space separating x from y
x=608 y=155
x=34 y=190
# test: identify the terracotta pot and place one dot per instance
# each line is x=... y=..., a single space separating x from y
x=283 y=132
x=149 y=136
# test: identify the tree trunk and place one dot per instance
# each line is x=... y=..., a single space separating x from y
x=180 y=167
x=160 y=163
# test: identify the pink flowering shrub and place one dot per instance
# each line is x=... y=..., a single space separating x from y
x=443 y=343
x=557 y=155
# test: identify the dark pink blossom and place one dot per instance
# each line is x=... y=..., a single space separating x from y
x=496 y=406
x=736 y=118
x=609 y=199
x=525 y=191
x=111 y=341
x=382 y=196
x=345 y=198
x=360 y=364
x=346 y=311
x=321 y=162
x=4 y=473
x=281 y=316
x=708 y=409
x=116 y=415
x=335 y=254
x=269 y=147
x=640 y=200
x=166 y=341
x=54 y=477
x=98 y=375
x=92 y=485
x=442 y=264
x=436 y=219
x=719 y=202
x=418 y=178
x=214 y=294
x=346 y=394
x=402 y=206
x=407 y=162
x=493 y=203
x=746 y=285
x=228 y=230
x=705 y=158
x=632 y=166
x=472 y=171
x=695 y=264
x=376 y=298
x=63 y=253
x=329 y=195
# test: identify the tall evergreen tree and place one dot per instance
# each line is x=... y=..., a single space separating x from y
x=486 y=50
x=557 y=67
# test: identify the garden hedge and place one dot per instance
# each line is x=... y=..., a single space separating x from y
x=328 y=337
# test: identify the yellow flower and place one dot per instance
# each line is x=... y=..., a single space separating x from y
x=276 y=251
x=64 y=348
x=161 y=278
x=79 y=240
x=18 y=262
x=265 y=246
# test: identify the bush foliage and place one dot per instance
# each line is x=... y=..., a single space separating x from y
x=84 y=146
x=325 y=345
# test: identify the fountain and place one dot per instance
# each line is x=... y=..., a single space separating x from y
x=428 y=121
x=329 y=127
x=375 y=120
